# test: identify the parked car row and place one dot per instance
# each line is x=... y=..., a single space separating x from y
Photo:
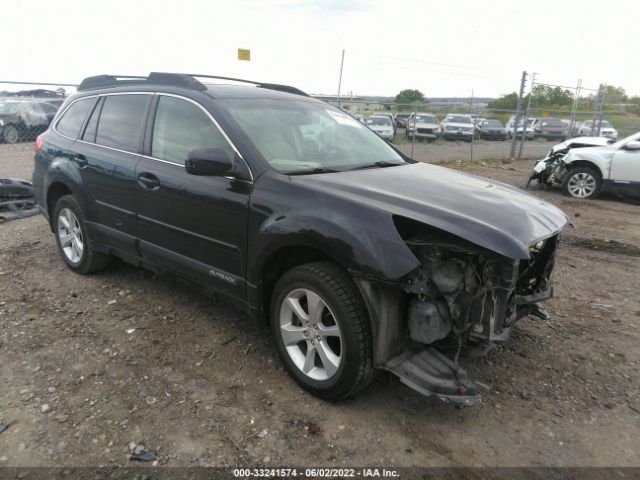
x=424 y=126
x=23 y=119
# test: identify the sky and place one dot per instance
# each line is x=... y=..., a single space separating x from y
x=442 y=48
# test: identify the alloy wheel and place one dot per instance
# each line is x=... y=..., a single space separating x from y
x=581 y=185
x=311 y=334
x=70 y=235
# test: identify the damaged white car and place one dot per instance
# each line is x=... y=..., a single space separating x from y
x=586 y=166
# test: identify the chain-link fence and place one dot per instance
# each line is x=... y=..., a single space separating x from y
x=488 y=132
x=26 y=110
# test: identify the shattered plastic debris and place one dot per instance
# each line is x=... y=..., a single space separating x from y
x=5 y=426
x=143 y=457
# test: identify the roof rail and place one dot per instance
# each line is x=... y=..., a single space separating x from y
x=155 y=78
x=270 y=86
x=186 y=80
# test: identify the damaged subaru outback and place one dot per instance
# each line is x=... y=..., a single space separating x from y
x=357 y=257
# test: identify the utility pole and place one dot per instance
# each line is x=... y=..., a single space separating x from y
x=523 y=81
x=475 y=119
x=597 y=120
x=415 y=130
x=340 y=79
x=574 y=109
x=526 y=116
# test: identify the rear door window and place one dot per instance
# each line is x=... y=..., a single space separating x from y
x=181 y=126
x=122 y=121
x=71 y=121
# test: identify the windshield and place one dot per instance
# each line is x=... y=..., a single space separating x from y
x=11 y=107
x=386 y=121
x=296 y=136
x=621 y=143
x=552 y=122
x=426 y=119
x=492 y=123
x=458 y=119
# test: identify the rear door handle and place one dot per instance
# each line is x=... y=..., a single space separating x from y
x=148 y=181
x=80 y=159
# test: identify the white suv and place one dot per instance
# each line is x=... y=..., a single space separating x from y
x=457 y=127
x=606 y=129
x=585 y=172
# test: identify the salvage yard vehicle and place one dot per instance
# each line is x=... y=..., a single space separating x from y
x=586 y=166
x=382 y=125
x=606 y=129
x=490 y=130
x=356 y=256
x=423 y=126
x=24 y=119
x=457 y=127
x=549 y=129
x=510 y=127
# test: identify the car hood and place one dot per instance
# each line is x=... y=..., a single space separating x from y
x=491 y=214
x=425 y=125
x=581 y=142
x=458 y=125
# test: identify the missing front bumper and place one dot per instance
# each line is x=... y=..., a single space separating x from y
x=430 y=372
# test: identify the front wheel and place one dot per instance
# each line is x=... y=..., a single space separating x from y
x=582 y=182
x=73 y=240
x=322 y=331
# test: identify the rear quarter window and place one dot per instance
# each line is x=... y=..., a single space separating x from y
x=72 y=119
x=122 y=121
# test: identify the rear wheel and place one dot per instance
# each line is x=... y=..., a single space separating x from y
x=10 y=134
x=321 y=330
x=582 y=182
x=74 y=243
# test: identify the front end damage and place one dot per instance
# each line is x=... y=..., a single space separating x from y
x=552 y=169
x=456 y=304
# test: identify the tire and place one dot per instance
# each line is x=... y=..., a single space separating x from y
x=10 y=134
x=339 y=365
x=77 y=248
x=582 y=182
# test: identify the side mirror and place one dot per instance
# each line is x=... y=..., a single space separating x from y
x=208 y=162
x=633 y=145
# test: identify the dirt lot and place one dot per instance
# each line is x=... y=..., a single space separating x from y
x=91 y=364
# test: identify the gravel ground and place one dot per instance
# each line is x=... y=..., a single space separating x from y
x=91 y=367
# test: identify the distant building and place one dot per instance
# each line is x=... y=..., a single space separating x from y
x=351 y=103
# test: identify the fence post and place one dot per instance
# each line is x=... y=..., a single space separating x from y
x=512 y=152
x=574 y=109
x=526 y=117
x=597 y=121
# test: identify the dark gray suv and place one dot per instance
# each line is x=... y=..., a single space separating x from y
x=356 y=256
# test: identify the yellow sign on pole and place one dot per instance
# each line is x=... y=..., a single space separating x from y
x=244 y=54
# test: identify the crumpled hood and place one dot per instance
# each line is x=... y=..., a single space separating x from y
x=581 y=141
x=491 y=214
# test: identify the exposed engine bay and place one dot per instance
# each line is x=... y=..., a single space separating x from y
x=461 y=300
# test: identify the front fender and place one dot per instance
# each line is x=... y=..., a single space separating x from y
x=378 y=254
x=363 y=240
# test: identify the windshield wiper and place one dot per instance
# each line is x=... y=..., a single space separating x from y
x=380 y=164
x=312 y=171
